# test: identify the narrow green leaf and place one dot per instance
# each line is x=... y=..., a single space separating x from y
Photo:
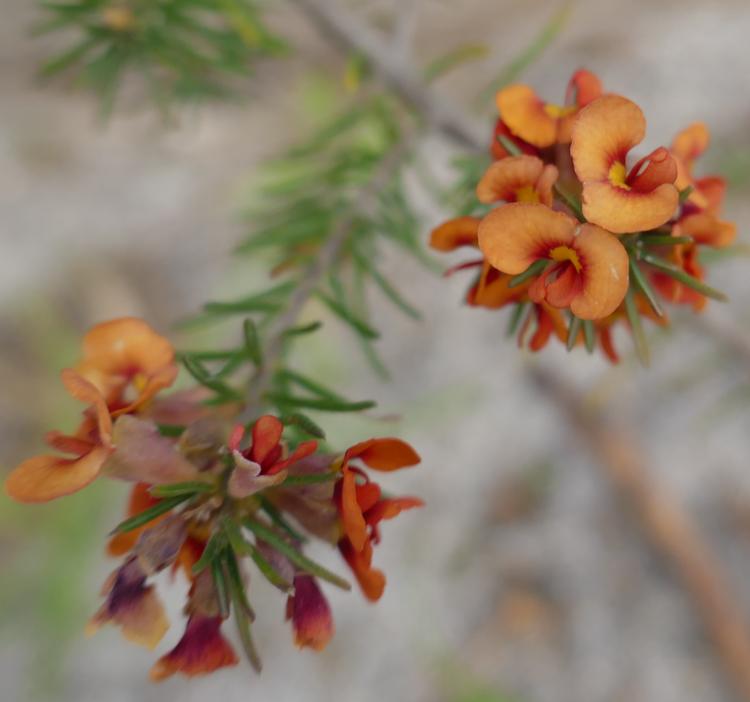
x=684 y=278
x=278 y=519
x=574 y=327
x=589 y=335
x=571 y=201
x=237 y=585
x=390 y=292
x=268 y=571
x=151 y=513
x=252 y=342
x=211 y=551
x=201 y=375
x=640 y=280
x=657 y=240
x=515 y=318
x=509 y=145
x=639 y=337
x=302 y=562
x=303 y=329
x=453 y=59
x=304 y=423
x=308 y=384
x=318 y=403
x=190 y=487
x=70 y=57
x=532 y=271
x=685 y=193
x=248 y=646
x=346 y=315
x=222 y=588
x=312 y=479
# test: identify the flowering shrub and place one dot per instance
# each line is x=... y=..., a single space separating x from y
x=581 y=239
x=208 y=494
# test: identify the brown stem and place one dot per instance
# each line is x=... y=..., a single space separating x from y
x=667 y=525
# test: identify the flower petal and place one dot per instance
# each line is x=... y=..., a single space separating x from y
x=622 y=211
x=604 y=273
x=267 y=432
x=516 y=179
x=371 y=580
x=603 y=133
x=707 y=229
x=44 y=478
x=513 y=236
x=454 y=233
x=384 y=454
x=522 y=110
x=352 y=519
x=310 y=614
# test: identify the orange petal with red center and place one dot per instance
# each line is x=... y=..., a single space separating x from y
x=371 y=580
x=603 y=133
x=604 y=273
x=266 y=432
x=384 y=454
x=513 y=236
x=454 y=233
x=353 y=521
x=524 y=113
x=707 y=230
x=518 y=178
x=622 y=211
x=44 y=478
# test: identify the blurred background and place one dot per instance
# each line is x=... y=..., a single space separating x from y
x=525 y=579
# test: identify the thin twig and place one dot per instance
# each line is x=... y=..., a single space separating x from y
x=667 y=525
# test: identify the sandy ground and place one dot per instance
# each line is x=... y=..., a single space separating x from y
x=562 y=603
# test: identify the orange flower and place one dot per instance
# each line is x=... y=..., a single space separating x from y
x=362 y=508
x=518 y=179
x=613 y=198
x=48 y=476
x=540 y=123
x=128 y=362
x=589 y=266
x=498 y=151
x=491 y=288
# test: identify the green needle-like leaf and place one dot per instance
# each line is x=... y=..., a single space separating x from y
x=190 y=487
x=313 y=479
x=318 y=403
x=636 y=328
x=286 y=549
x=574 y=328
x=589 y=335
x=151 y=513
x=641 y=281
x=684 y=278
x=535 y=269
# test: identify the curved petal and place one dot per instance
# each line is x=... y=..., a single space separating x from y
x=461 y=231
x=690 y=143
x=352 y=519
x=708 y=230
x=384 y=454
x=523 y=112
x=512 y=237
x=44 y=478
x=493 y=291
x=84 y=391
x=371 y=580
x=584 y=87
x=622 y=211
x=604 y=273
x=603 y=133
x=390 y=508
x=266 y=433
x=504 y=179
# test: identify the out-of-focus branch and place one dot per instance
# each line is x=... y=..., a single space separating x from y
x=314 y=274
x=665 y=523
x=352 y=35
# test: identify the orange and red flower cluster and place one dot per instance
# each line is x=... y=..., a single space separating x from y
x=208 y=495
x=575 y=233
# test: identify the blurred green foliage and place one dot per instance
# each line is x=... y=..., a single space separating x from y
x=182 y=49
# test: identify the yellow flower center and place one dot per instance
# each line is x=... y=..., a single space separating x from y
x=118 y=19
x=527 y=194
x=565 y=253
x=558 y=111
x=618 y=174
x=140 y=380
